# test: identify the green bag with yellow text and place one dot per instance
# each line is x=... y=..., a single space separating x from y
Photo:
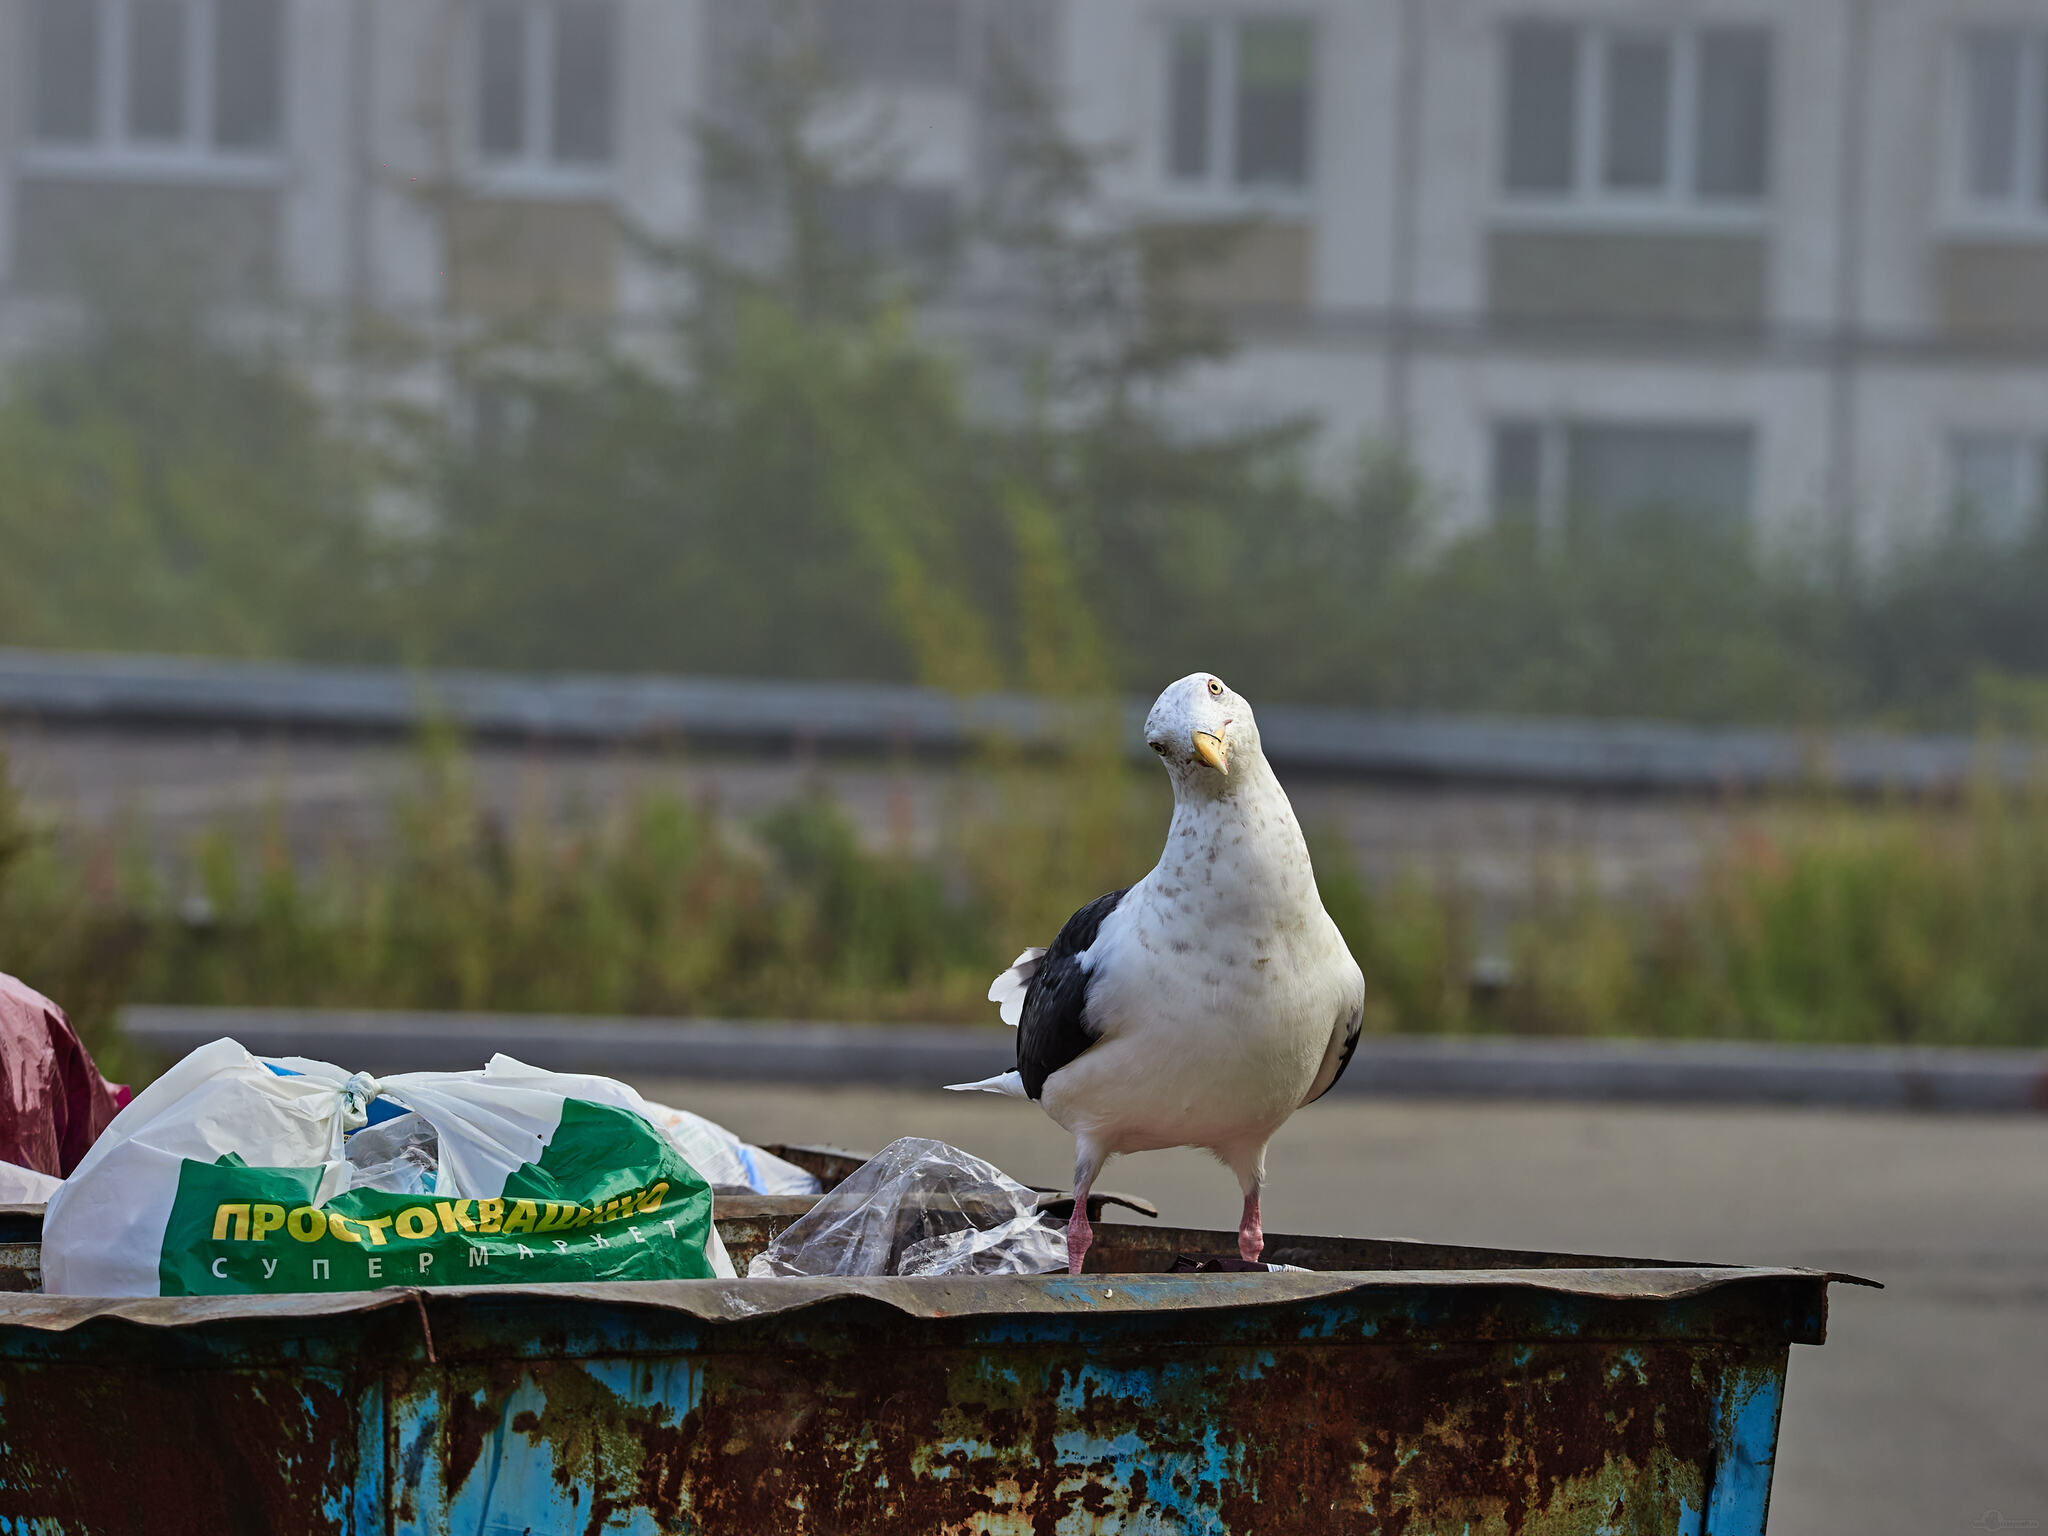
x=239 y=1175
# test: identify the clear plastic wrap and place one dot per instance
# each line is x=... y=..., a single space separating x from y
x=400 y=1156
x=919 y=1207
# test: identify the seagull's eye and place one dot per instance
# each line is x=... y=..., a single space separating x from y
x=1158 y=746
x=1215 y=689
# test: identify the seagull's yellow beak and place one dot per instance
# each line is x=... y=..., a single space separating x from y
x=1211 y=751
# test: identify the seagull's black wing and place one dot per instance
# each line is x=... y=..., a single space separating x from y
x=1054 y=1028
x=1352 y=1030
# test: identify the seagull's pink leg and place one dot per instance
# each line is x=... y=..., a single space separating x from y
x=1251 y=1237
x=1249 y=1164
x=1079 y=1234
x=1088 y=1163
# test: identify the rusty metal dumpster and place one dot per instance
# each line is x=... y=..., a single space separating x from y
x=1396 y=1387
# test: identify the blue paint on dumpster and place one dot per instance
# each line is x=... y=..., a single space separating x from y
x=1741 y=1481
x=1413 y=1390
x=1181 y=1479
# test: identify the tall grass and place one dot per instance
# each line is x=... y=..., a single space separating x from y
x=657 y=906
x=1828 y=923
x=1837 y=923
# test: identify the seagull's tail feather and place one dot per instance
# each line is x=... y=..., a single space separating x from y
x=1010 y=1084
x=1009 y=988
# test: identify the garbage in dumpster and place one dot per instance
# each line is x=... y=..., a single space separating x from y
x=53 y=1101
x=1225 y=1264
x=919 y=1207
x=724 y=1159
x=710 y=1148
x=727 y=1161
x=24 y=1186
x=400 y=1156
x=234 y=1174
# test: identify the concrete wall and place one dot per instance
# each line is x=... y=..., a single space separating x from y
x=14 y=108
x=662 y=71
x=320 y=129
x=409 y=154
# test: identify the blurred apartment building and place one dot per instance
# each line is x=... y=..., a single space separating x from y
x=1782 y=264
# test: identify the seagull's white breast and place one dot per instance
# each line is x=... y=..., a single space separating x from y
x=1215 y=985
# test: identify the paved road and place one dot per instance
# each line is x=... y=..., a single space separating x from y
x=1927 y=1409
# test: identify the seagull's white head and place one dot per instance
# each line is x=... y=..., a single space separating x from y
x=1203 y=732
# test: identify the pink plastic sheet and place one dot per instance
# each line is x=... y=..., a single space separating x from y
x=53 y=1101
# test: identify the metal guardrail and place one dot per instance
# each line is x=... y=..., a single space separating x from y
x=928 y=1056
x=1589 y=755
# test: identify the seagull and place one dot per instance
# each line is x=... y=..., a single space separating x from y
x=1204 y=1005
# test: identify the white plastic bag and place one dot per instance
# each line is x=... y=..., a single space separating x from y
x=711 y=1149
x=24 y=1186
x=919 y=1207
x=726 y=1160
x=232 y=1174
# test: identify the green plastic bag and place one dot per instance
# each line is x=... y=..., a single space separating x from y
x=234 y=1175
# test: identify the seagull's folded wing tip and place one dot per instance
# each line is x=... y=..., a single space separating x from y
x=1010 y=1084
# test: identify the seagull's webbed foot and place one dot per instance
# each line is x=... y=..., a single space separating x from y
x=1251 y=1236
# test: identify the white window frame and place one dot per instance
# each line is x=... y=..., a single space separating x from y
x=114 y=156
x=2024 y=213
x=1220 y=191
x=1589 y=199
x=535 y=172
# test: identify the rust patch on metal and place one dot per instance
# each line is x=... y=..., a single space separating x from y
x=623 y=1455
x=21 y=1266
x=1506 y=1439
x=100 y=1449
x=1473 y=1438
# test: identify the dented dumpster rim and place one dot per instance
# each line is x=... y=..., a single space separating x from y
x=745 y=1300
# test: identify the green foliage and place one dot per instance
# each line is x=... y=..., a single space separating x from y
x=161 y=492
x=1890 y=925
x=70 y=924
x=814 y=498
x=1830 y=924
x=1649 y=615
x=1412 y=941
x=658 y=908
x=803 y=478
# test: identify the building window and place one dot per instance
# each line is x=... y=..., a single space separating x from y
x=1580 y=479
x=2003 y=169
x=1240 y=104
x=1637 y=117
x=547 y=84
x=892 y=225
x=155 y=80
x=897 y=42
x=1996 y=481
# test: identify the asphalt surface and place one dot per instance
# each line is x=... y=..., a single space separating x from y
x=1926 y=1412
